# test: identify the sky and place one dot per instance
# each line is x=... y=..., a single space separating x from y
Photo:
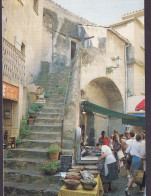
x=101 y=12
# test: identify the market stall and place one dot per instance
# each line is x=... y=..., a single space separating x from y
x=97 y=191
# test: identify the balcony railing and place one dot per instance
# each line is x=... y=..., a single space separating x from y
x=13 y=63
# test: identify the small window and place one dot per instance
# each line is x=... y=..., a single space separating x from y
x=35 y=7
x=73 y=49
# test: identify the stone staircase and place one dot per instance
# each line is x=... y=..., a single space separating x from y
x=22 y=166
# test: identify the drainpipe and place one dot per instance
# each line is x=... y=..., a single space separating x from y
x=125 y=62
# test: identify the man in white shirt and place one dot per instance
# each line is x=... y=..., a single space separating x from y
x=129 y=158
x=135 y=149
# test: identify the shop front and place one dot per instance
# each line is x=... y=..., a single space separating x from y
x=10 y=111
x=90 y=108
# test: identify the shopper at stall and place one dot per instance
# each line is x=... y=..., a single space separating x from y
x=116 y=147
x=127 y=134
x=135 y=149
x=116 y=132
x=128 y=156
x=105 y=140
x=110 y=166
x=143 y=157
x=111 y=142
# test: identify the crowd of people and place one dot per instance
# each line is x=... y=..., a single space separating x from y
x=127 y=149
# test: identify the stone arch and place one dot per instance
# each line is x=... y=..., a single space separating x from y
x=105 y=93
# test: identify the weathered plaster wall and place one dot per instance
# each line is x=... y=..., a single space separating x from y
x=24 y=24
x=134 y=32
x=101 y=88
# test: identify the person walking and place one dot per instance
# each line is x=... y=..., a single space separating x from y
x=116 y=147
x=127 y=135
x=110 y=166
x=104 y=139
x=135 y=149
x=128 y=156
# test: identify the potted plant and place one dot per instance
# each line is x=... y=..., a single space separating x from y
x=54 y=151
x=51 y=167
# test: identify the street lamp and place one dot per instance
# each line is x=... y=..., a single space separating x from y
x=111 y=68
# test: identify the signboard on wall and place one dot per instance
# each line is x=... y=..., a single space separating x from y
x=10 y=92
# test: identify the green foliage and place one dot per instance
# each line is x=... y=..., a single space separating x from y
x=51 y=166
x=31 y=111
x=28 y=96
x=56 y=85
x=47 y=94
x=109 y=70
x=24 y=128
x=34 y=107
x=9 y=154
x=39 y=105
x=113 y=59
x=18 y=141
x=61 y=91
x=54 y=148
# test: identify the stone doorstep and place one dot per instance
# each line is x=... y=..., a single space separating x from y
x=50 y=109
x=52 y=123
x=44 y=135
x=26 y=143
x=30 y=176
x=24 y=163
x=49 y=115
x=29 y=153
x=40 y=189
x=49 y=119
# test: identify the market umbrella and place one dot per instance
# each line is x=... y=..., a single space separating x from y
x=140 y=106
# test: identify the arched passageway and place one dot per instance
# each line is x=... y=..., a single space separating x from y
x=105 y=93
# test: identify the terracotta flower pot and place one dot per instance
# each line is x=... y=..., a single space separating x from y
x=54 y=156
x=31 y=121
x=50 y=173
x=33 y=115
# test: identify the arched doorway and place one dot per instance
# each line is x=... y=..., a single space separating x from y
x=105 y=93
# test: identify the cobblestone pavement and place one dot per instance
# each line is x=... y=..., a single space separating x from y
x=120 y=185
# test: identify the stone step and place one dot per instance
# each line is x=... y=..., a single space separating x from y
x=23 y=163
x=49 y=115
x=44 y=135
x=67 y=152
x=29 y=176
x=30 y=153
x=59 y=100
x=21 y=189
x=51 y=81
x=47 y=128
x=49 y=104
x=43 y=121
x=33 y=143
x=52 y=109
x=56 y=96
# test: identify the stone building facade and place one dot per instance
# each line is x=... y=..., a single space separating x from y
x=22 y=36
x=47 y=33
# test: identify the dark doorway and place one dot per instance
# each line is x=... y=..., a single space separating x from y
x=73 y=49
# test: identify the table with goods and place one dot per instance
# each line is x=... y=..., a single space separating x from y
x=82 y=180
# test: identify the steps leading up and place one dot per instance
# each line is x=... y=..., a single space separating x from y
x=22 y=166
